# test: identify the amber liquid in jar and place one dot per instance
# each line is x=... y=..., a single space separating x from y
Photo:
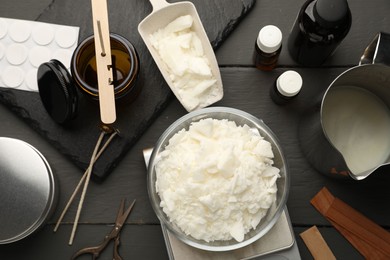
x=125 y=68
x=120 y=69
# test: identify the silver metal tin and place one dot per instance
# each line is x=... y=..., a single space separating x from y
x=27 y=190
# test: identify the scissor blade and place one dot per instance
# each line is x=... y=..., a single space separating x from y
x=122 y=216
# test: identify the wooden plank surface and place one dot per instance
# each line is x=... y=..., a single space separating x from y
x=245 y=88
x=368 y=18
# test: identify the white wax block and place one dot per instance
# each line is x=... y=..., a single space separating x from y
x=199 y=66
x=182 y=82
x=185 y=40
x=197 y=45
x=256 y=219
x=25 y=45
x=271 y=171
x=237 y=231
x=264 y=148
x=204 y=127
x=203 y=86
x=173 y=56
x=179 y=24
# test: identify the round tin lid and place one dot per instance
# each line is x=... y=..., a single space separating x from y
x=27 y=190
x=57 y=91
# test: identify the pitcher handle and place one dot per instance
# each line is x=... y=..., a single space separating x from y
x=378 y=51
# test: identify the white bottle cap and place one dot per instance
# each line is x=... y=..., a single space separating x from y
x=269 y=39
x=289 y=83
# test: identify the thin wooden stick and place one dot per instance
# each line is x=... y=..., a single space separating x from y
x=103 y=62
x=85 y=188
x=76 y=190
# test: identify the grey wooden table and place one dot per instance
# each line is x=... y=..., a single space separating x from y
x=245 y=88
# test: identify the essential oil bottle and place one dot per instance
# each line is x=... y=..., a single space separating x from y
x=320 y=27
x=267 y=48
x=286 y=87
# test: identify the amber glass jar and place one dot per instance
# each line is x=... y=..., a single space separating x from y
x=125 y=67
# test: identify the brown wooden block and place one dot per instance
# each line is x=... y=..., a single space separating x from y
x=316 y=244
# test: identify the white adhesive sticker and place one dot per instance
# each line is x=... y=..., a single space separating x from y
x=25 y=45
x=3 y=28
x=20 y=31
x=13 y=76
x=43 y=34
x=65 y=56
x=39 y=55
x=65 y=37
x=16 y=53
x=31 y=80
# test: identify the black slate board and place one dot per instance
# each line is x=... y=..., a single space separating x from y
x=78 y=139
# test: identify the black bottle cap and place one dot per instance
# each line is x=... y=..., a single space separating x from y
x=57 y=91
x=331 y=12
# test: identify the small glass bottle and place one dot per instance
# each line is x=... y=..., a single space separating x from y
x=287 y=86
x=320 y=27
x=267 y=48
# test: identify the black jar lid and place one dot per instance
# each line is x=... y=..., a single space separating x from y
x=57 y=91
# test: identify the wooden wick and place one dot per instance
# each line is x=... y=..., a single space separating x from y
x=370 y=239
x=76 y=190
x=316 y=244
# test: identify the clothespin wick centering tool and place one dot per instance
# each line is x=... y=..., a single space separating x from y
x=103 y=61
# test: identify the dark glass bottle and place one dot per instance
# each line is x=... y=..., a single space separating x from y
x=320 y=27
x=287 y=86
x=268 y=46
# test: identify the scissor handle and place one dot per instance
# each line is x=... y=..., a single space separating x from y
x=95 y=250
x=116 y=247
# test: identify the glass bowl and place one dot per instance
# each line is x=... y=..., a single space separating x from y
x=283 y=182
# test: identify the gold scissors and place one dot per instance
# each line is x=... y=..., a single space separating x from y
x=113 y=235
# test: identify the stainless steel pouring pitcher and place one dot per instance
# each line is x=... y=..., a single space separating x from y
x=347 y=135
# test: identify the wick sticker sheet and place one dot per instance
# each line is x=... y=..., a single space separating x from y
x=24 y=45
